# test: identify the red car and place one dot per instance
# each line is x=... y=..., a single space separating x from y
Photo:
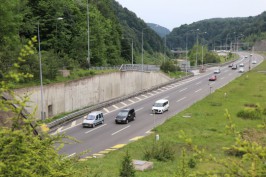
x=213 y=78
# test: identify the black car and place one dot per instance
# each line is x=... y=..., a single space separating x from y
x=125 y=116
x=234 y=67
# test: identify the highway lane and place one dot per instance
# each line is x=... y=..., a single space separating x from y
x=110 y=136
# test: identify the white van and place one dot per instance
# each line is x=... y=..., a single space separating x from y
x=93 y=119
x=160 y=106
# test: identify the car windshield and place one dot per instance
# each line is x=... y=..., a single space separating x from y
x=123 y=113
x=90 y=117
x=158 y=104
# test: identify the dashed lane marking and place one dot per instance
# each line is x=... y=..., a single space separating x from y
x=115 y=107
x=57 y=131
x=131 y=101
x=120 y=130
x=181 y=99
x=138 y=98
x=118 y=146
x=136 y=138
x=183 y=90
x=106 y=110
x=198 y=83
x=222 y=78
x=144 y=96
x=96 y=128
x=73 y=123
x=123 y=103
x=198 y=90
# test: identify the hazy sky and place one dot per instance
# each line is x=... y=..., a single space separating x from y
x=173 y=13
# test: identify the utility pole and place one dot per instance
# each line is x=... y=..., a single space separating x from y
x=88 y=23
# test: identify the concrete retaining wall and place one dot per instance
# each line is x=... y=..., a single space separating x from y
x=74 y=95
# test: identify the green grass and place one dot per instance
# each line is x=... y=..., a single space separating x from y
x=206 y=128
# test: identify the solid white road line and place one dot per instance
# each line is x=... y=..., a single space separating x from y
x=120 y=130
x=96 y=128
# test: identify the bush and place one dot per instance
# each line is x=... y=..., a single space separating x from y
x=249 y=113
x=160 y=151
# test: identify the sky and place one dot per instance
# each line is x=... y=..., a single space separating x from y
x=174 y=13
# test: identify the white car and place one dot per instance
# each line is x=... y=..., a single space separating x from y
x=93 y=119
x=254 y=62
x=217 y=71
x=160 y=106
x=241 y=70
x=241 y=65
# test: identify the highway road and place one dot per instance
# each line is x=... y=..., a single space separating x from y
x=110 y=136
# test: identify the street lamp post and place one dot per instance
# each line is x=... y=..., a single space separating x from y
x=196 y=64
x=88 y=31
x=40 y=62
x=132 y=50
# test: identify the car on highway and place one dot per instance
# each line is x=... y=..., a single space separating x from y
x=234 y=67
x=230 y=65
x=125 y=116
x=217 y=71
x=254 y=62
x=93 y=119
x=241 y=70
x=160 y=106
x=241 y=65
x=213 y=78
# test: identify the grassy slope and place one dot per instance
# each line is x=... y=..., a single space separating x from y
x=206 y=127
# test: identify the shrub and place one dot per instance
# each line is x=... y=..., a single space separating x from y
x=160 y=151
x=127 y=169
x=250 y=113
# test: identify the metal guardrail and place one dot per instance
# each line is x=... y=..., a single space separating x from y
x=139 y=67
x=78 y=114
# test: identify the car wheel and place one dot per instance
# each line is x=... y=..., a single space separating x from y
x=134 y=118
x=93 y=125
x=127 y=121
x=102 y=121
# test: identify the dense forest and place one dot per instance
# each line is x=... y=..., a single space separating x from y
x=63 y=31
x=219 y=32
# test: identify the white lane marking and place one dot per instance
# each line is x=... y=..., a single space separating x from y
x=120 y=130
x=57 y=131
x=96 y=128
x=138 y=98
x=70 y=155
x=123 y=103
x=106 y=110
x=144 y=96
x=198 y=83
x=181 y=99
x=155 y=92
x=160 y=90
x=222 y=78
x=183 y=90
x=131 y=101
x=198 y=90
x=212 y=83
x=115 y=107
x=139 y=109
x=73 y=123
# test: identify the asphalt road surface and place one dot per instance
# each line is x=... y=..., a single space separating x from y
x=110 y=136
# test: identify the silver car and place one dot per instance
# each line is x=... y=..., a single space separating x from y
x=93 y=119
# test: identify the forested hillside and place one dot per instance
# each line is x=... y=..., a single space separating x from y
x=161 y=31
x=219 y=32
x=63 y=30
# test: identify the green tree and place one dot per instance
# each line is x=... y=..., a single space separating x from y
x=127 y=169
x=23 y=152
